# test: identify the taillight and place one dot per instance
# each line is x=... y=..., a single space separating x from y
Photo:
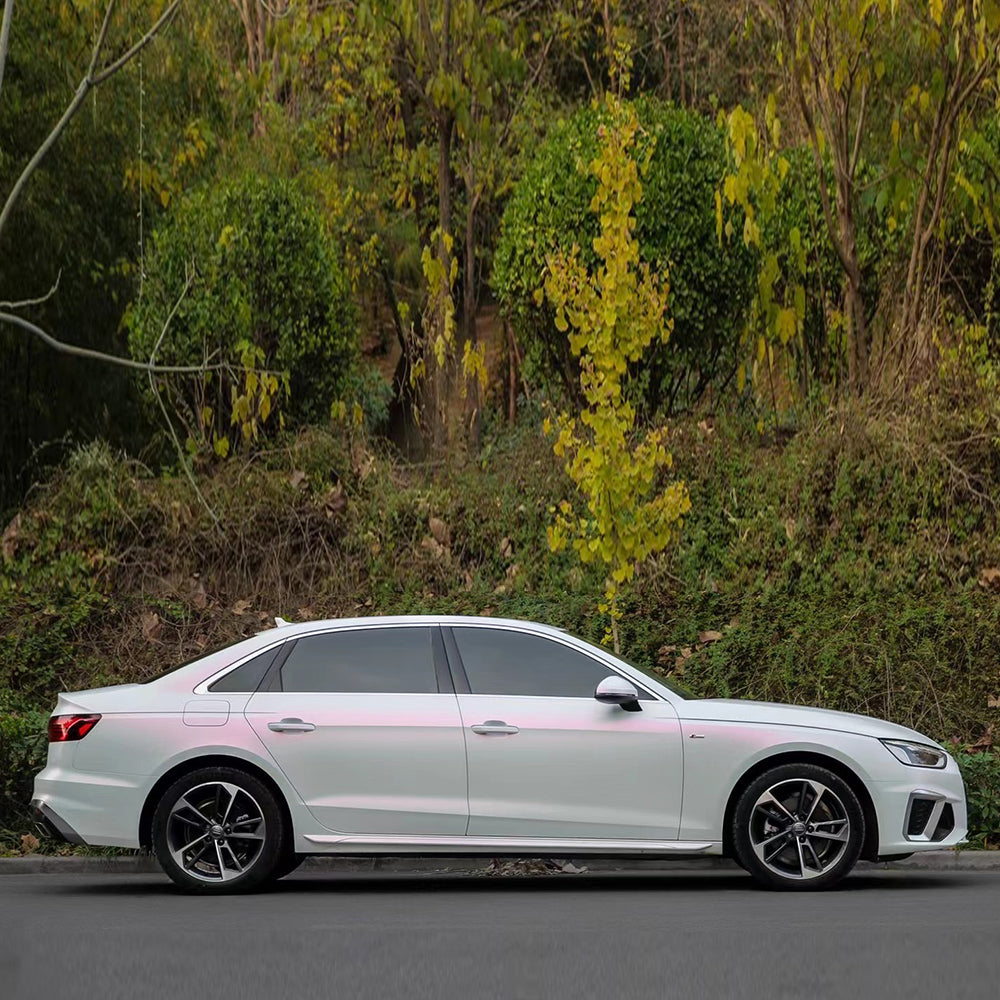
x=66 y=728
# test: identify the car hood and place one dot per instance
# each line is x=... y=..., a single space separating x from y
x=774 y=714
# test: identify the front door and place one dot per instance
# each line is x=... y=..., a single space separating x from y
x=548 y=760
x=366 y=734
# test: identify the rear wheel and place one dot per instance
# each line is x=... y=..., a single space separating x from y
x=798 y=826
x=219 y=830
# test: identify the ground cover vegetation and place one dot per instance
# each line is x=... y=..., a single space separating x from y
x=668 y=322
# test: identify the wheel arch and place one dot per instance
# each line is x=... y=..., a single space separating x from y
x=190 y=764
x=869 y=850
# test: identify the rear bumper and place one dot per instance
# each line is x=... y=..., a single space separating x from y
x=52 y=824
x=98 y=809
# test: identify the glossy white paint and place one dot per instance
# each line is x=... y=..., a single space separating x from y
x=576 y=768
x=406 y=773
x=375 y=763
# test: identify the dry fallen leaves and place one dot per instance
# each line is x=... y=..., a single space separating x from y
x=440 y=531
x=989 y=578
x=335 y=501
x=199 y=598
x=430 y=544
x=29 y=843
x=11 y=537
x=152 y=627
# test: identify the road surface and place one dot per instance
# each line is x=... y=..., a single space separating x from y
x=343 y=936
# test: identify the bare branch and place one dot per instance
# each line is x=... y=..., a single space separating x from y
x=162 y=21
x=24 y=303
x=90 y=80
x=87 y=352
x=101 y=35
x=8 y=16
x=182 y=458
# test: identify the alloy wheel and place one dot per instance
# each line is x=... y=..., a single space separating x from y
x=799 y=828
x=216 y=831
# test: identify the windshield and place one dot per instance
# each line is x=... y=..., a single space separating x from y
x=652 y=673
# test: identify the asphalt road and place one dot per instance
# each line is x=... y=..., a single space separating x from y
x=883 y=934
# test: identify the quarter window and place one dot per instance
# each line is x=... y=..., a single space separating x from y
x=379 y=660
x=247 y=676
x=501 y=661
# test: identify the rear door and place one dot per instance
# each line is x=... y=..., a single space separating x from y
x=548 y=760
x=365 y=724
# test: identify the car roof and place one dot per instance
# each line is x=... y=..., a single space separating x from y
x=292 y=629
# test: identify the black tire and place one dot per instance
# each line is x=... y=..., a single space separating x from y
x=779 y=838
x=288 y=863
x=250 y=845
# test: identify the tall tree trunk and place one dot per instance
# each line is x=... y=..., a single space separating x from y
x=680 y=53
x=472 y=401
x=439 y=391
x=854 y=306
x=445 y=126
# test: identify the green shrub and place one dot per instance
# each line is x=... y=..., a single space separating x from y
x=981 y=772
x=262 y=271
x=842 y=568
x=23 y=748
x=710 y=284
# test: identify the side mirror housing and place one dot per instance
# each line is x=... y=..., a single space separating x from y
x=615 y=690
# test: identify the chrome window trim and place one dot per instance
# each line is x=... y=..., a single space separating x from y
x=567 y=641
x=325 y=628
x=203 y=686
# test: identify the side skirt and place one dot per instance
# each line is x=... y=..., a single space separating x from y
x=495 y=846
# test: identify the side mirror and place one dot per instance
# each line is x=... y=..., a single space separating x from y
x=615 y=690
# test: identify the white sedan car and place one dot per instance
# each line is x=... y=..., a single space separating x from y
x=475 y=736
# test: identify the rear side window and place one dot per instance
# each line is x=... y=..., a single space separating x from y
x=370 y=660
x=502 y=661
x=247 y=676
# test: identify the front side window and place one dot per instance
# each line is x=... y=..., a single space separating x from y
x=501 y=661
x=383 y=660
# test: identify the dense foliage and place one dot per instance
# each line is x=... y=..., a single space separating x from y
x=247 y=263
x=845 y=567
x=362 y=218
x=710 y=283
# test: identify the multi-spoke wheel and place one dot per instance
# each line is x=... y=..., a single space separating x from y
x=218 y=830
x=798 y=826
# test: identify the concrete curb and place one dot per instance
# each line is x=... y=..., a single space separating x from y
x=41 y=864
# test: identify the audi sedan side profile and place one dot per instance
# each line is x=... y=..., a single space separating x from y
x=475 y=736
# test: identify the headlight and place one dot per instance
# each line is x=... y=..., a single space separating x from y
x=916 y=754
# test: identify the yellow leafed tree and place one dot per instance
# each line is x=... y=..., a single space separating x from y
x=613 y=314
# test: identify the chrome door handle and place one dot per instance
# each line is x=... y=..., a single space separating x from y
x=494 y=727
x=291 y=726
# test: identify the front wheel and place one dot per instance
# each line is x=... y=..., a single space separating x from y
x=219 y=830
x=798 y=826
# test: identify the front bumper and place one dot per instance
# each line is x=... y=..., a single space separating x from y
x=944 y=821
